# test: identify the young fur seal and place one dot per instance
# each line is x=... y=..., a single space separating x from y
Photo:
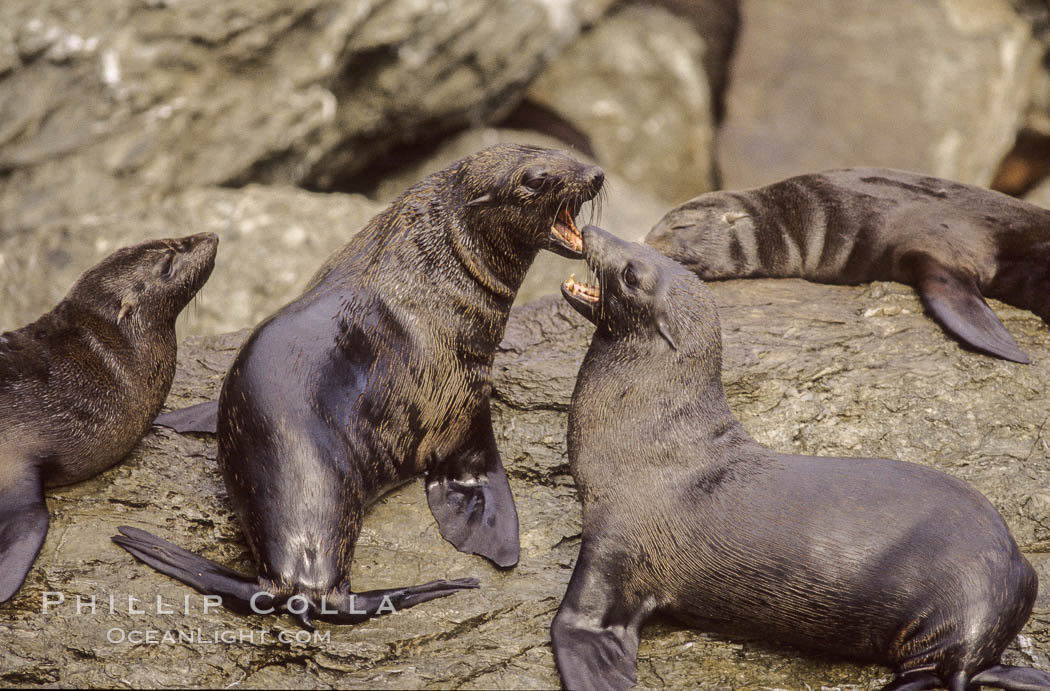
x=869 y=559
x=81 y=385
x=952 y=242
x=381 y=371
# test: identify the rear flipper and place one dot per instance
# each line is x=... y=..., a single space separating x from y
x=1012 y=678
x=201 y=418
x=202 y=574
x=956 y=302
x=595 y=633
x=23 y=526
x=470 y=497
x=914 y=681
x=351 y=608
x=247 y=596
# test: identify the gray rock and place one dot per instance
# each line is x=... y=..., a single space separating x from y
x=809 y=369
x=718 y=22
x=272 y=240
x=101 y=96
x=624 y=209
x=937 y=87
x=637 y=87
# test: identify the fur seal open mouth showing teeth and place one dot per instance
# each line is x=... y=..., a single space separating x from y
x=583 y=291
x=363 y=383
x=685 y=515
x=582 y=296
x=565 y=233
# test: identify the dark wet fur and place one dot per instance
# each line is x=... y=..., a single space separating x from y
x=379 y=372
x=685 y=515
x=80 y=385
x=954 y=243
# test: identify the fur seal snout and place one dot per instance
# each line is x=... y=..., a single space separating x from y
x=380 y=372
x=81 y=385
x=953 y=243
x=684 y=514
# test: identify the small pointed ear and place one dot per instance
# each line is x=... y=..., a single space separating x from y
x=664 y=327
x=478 y=201
x=732 y=217
x=127 y=306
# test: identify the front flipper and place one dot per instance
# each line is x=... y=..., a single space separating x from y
x=23 y=526
x=1012 y=678
x=595 y=633
x=201 y=418
x=470 y=497
x=956 y=302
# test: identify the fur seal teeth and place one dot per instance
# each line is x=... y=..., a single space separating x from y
x=564 y=228
x=582 y=290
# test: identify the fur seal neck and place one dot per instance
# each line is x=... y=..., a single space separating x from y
x=81 y=384
x=684 y=514
x=384 y=373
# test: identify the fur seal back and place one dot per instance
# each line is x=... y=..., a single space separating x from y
x=379 y=372
x=81 y=385
x=953 y=243
x=684 y=514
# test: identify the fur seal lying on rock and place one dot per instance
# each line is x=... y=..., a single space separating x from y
x=684 y=514
x=379 y=372
x=81 y=385
x=953 y=242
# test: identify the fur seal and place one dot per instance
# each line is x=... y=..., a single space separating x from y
x=868 y=559
x=381 y=371
x=81 y=385
x=953 y=243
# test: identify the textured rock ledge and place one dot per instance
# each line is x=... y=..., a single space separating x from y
x=809 y=368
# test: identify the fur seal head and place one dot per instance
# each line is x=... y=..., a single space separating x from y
x=641 y=295
x=663 y=468
x=529 y=196
x=147 y=285
x=80 y=385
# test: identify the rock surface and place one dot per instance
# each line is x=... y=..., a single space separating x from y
x=809 y=368
x=936 y=87
x=272 y=240
x=103 y=97
x=637 y=87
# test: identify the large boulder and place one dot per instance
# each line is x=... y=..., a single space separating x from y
x=635 y=84
x=937 y=87
x=100 y=97
x=856 y=371
x=271 y=241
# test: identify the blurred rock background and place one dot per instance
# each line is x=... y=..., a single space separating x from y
x=284 y=125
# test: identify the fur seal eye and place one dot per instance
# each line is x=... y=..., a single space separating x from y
x=629 y=277
x=534 y=180
x=166 y=264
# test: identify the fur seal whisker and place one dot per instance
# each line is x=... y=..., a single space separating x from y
x=685 y=515
x=954 y=243
x=81 y=385
x=379 y=372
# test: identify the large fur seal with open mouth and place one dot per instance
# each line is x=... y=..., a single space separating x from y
x=379 y=372
x=82 y=384
x=684 y=514
x=954 y=243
